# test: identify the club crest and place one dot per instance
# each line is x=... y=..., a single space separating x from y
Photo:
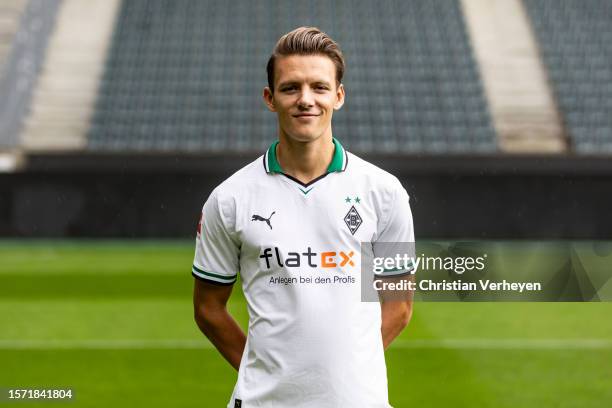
x=353 y=220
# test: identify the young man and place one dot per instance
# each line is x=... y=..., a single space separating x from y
x=292 y=223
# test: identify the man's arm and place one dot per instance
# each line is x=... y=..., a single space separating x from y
x=396 y=308
x=213 y=319
x=396 y=315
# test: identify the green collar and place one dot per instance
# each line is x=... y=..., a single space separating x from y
x=338 y=163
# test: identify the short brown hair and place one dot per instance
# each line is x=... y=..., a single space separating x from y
x=306 y=41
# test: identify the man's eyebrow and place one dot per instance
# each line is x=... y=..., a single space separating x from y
x=293 y=82
x=287 y=83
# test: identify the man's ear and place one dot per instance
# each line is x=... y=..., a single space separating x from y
x=268 y=98
x=339 y=97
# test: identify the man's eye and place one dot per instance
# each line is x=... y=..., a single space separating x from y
x=289 y=88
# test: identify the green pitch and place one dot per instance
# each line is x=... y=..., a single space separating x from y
x=113 y=321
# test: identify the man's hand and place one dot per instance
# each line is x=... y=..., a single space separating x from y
x=213 y=319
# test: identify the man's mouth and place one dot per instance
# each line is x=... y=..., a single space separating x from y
x=305 y=115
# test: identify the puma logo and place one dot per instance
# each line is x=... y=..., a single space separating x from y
x=256 y=217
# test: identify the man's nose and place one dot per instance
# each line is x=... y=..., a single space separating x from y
x=306 y=99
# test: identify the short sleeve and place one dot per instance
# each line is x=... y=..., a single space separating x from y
x=217 y=250
x=396 y=236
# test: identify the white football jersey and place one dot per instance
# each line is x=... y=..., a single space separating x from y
x=311 y=341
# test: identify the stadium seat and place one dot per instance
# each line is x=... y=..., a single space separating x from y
x=188 y=76
x=575 y=39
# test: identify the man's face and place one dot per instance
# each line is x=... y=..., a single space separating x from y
x=305 y=96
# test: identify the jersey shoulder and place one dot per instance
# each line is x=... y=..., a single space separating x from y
x=371 y=174
x=250 y=175
x=235 y=189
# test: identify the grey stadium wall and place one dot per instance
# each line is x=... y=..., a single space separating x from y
x=136 y=196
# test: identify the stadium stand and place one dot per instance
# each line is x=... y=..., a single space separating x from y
x=10 y=15
x=118 y=117
x=520 y=98
x=22 y=63
x=575 y=38
x=64 y=99
x=187 y=76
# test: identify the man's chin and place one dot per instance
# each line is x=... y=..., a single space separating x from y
x=303 y=137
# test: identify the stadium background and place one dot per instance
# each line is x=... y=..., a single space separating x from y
x=117 y=118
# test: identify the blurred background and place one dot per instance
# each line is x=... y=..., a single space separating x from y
x=118 y=117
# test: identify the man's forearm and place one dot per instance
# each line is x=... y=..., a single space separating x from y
x=223 y=331
x=395 y=317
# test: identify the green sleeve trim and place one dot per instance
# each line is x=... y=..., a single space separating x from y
x=214 y=275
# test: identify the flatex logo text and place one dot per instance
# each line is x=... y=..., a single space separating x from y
x=272 y=257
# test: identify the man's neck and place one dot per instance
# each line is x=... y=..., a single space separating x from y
x=305 y=161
